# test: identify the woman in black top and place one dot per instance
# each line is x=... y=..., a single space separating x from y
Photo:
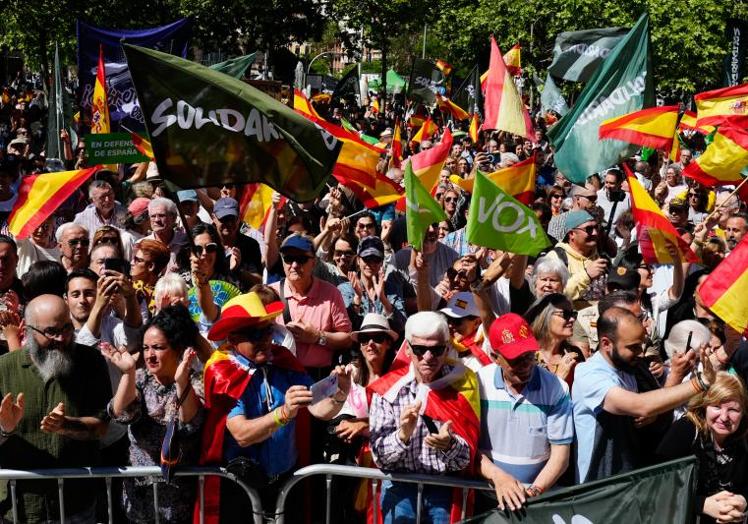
x=714 y=429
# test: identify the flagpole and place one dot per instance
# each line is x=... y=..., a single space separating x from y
x=423 y=49
x=719 y=206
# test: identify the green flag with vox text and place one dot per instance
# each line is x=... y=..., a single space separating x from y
x=421 y=210
x=498 y=221
x=623 y=83
x=657 y=494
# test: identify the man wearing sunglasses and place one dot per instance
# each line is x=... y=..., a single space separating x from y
x=242 y=252
x=526 y=417
x=420 y=420
x=73 y=242
x=583 y=198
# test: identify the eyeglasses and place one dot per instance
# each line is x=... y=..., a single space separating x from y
x=137 y=260
x=208 y=248
x=289 y=259
x=693 y=195
x=343 y=253
x=51 y=333
x=378 y=338
x=450 y=199
x=567 y=314
x=365 y=225
x=420 y=350
x=557 y=196
x=83 y=242
x=107 y=240
x=372 y=259
x=589 y=229
x=438 y=195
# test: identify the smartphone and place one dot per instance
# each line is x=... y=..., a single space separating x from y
x=117 y=264
x=430 y=425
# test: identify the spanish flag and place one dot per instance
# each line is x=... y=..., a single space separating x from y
x=142 y=145
x=517 y=180
x=426 y=132
x=257 y=201
x=40 y=195
x=723 y=159
x=99 y=104
x=512 y=61
x=654 y=231
x=504 y=109
x=428 y=164
x=444 y=66
x=449 y=107
x=725 y=105
x=375 y=105
x=396 y=149
x=474 y=128
x=688 y=123
x=725 y=289
x=654 y=127
x=302 y=105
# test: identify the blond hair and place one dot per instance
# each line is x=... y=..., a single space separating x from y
x=726 y=388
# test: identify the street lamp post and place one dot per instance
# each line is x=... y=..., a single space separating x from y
x=309 y=67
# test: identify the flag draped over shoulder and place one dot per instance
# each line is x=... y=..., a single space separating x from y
x=661 y=493
x=209 y=129
x=498 y=221
x=428 y=164
x=504 y=109
x=421 y=210
x=235 y=67
x=99 y=103
x=517 y=180
x=725 y=289
x=723 y=159
x=653 y=127
x=622 y=84
x=653 y=230
x=578 y=54
x=40 y=195
x=720 y=106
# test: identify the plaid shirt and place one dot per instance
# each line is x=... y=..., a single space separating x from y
x=392 y=454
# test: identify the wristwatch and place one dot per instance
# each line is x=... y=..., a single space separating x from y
x=322 y=340
x=477 y=286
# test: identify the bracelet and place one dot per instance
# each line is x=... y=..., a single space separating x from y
x=535 y=490
x=704 y=386
x=339 y=402
x=280 y=420
x=695 y=385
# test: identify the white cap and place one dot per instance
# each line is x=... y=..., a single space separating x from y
x=461 y=305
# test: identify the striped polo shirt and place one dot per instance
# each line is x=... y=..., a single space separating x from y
x=517 y=430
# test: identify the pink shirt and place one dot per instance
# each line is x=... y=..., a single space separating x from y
x=321 y=307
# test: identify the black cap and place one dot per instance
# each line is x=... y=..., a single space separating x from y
x=621 y=277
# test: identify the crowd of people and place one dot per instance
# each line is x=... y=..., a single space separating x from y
x=135 y=318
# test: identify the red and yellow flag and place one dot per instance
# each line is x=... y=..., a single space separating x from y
x=512 y=61
x=396 y=149
x=444 y=66
x=426 y=132
x=257 y=201
x=654 y=231
x=474 y=128
x=99 y=104
x=653 y=127
x=142 y=145
x=725 y=289
x=302 y=105
x=517 y=180
x=722 y=106
x=504 y=109
x=428 y=164
x=449 y=107
x=40 y=195
x=723 y=159
x=375 y=105
x=322 y=98
x=688 y=123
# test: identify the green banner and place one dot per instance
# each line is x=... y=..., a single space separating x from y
x=551 y=98
x=421 y=210
x=662 y=494
x=209 y=129
x=622 y=84
x=235 y=67
x=578 y=54
x=112 y=148
x=498 y=221
x=426 y=80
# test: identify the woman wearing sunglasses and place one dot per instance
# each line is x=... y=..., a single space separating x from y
x=552 y=321
x=555 y=200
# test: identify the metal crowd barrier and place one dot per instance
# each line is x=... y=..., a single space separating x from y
x=154 y=472
x=376 y=476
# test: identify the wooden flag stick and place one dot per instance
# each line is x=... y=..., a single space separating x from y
x=718 y=207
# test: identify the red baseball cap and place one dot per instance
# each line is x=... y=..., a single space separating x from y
x=511 y=336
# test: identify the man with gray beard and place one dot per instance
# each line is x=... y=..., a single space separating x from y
x=53 y=411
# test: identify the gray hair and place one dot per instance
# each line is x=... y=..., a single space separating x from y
x=98 y=184
x=67 y=226
x=170 y=206
x=169 y=284
x=427 y=324
x=548 y=264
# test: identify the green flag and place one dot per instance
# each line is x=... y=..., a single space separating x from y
x=577 y=54
x=551 y=98
x=395 y=81
x=209 y=129
x=235 y=67
x=498 y=221
x=421 y=210
x=661 y=494
x=622 y=84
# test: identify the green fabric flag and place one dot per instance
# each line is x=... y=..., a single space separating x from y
x=59 y=113
x=578 y=54
x=421 y=210
x=210 y=129
x=657 y=494
x=235 y=67
x=395 y=83
x=622 y=84
x=425 y=81
x=551 y=98
x=498 y=221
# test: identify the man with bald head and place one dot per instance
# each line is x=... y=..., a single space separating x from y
x=606 y=401
x=53 y=411
x=73 y=242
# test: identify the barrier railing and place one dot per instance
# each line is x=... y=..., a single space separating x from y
x=376 y=476
x=154 y=472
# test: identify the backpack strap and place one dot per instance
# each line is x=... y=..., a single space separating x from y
x=286 y=310
x=562 y=255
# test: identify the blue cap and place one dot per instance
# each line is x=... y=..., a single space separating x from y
x=574 y=219
x=297 y=241
x=225 y=207
x=187 y=195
